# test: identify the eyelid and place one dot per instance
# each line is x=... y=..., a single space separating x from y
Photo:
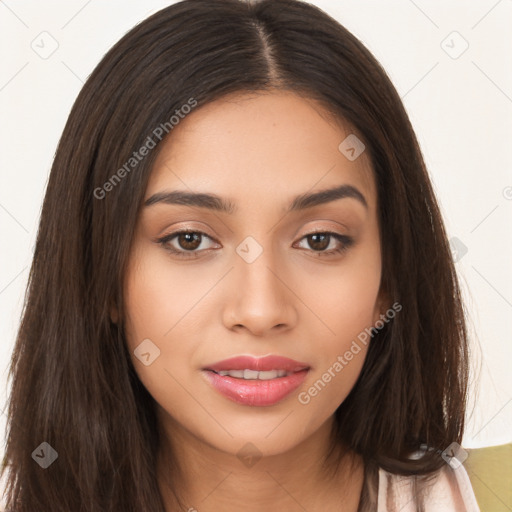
x=338 y=227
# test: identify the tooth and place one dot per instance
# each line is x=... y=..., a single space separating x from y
x=238 y=374
x=253 y=374
x=271 y=374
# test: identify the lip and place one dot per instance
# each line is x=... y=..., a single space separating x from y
x=256 y=392
x=262 y=364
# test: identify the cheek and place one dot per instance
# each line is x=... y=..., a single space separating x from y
x=348 y=311
x=160 y=296
x=159 y=305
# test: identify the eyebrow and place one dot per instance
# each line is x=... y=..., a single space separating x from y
x=217 y=203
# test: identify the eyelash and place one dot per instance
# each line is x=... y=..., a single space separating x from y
x=345 y=240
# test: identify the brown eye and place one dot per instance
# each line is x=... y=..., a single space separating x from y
x=185 y=243
x=319 y=242
x=189 y=241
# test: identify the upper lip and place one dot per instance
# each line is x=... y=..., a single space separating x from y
x=266 y=363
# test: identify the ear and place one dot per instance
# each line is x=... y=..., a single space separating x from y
x=382 y=305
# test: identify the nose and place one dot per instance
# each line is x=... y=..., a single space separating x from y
x=261 y=299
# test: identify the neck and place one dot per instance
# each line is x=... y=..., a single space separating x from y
x=207 y=479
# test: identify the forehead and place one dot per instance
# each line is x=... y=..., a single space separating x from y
x=252 y=146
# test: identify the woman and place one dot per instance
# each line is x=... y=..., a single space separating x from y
x=242 y=295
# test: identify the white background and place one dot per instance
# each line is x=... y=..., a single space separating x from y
x=461 y=109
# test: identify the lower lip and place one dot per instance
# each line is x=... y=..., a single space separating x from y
x=256 y=392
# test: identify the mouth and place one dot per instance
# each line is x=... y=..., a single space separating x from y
x=252 y=381
x=254 y=374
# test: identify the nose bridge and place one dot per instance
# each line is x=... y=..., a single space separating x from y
x=256 y=269
x=260 y=299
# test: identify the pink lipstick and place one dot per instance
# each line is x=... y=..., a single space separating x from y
x=253 y=381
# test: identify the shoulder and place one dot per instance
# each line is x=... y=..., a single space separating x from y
x=447 y=490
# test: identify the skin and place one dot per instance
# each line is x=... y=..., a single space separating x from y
x=260 y=151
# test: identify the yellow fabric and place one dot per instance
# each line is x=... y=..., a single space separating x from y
x=490 y=472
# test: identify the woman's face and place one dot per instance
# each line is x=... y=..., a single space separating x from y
x=255 y=280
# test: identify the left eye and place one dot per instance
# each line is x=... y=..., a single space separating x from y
x=321 y=241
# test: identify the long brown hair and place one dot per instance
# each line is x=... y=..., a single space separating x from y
x=73 y=383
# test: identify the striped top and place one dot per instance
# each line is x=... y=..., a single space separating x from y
x=450 y=491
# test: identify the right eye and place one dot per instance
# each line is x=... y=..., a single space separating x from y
x=187 y=243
